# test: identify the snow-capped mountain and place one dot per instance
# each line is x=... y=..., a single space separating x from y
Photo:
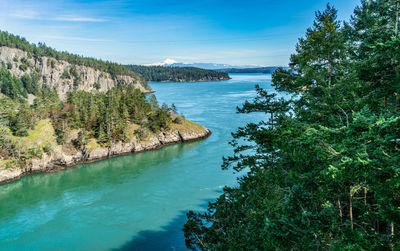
x=166 y=62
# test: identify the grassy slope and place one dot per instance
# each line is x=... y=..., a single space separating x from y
x=43 y=135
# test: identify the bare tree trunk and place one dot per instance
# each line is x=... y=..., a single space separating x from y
x=392 y=235
x=392 y=228
x=396 y=25
x=396 y=33
x=340 y=210
x=351 y=210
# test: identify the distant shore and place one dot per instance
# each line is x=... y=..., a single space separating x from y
x=190 y=81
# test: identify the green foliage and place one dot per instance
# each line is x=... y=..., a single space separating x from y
x=178 y=120
x=23 y=67
x=10 y=85
x=40 y=50
x=31 y=83
x=66 y=74
x=176 y=74
x=74 y=73
x=47 y=148
x=97 y=86
x=158 y=120
x=81 y=141
x=8 y=147
x=9 y=109
x=106 y=116
x=46 y=101
x=24 y=120
x=34 y=152
x=324 y=168
x=152 y=99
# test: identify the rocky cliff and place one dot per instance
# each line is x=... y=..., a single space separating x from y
x=51 y=141
x=64 y=76
x=64 y=156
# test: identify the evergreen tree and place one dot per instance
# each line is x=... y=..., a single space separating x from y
x=324 y=167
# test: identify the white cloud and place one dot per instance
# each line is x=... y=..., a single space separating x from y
x=78 y=19
x=33 y=15
x=77 y=39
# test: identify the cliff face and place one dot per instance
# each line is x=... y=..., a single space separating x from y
x=64 y=156
x=53 y=72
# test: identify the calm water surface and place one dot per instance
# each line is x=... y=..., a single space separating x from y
x=138 y=201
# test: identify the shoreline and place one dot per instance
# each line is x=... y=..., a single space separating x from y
x=193 y=81
x=56 y=167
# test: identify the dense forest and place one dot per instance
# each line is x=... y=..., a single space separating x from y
x=40 y=50
x=176 y=74
x=324 y=167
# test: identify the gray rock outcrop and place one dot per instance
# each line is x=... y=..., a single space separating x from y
x=52 y=72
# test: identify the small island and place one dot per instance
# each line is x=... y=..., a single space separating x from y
x=177 y=74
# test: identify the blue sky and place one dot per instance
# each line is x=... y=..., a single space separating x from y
x=262 y=32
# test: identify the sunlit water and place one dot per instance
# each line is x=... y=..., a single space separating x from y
x=138 y=201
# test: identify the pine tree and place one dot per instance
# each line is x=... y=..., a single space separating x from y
x=323 y=169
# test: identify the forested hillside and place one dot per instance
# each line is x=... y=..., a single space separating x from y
x=36 y=120
x=62 y=71
x=40 y=50
x=176 y=74
x=324 y=167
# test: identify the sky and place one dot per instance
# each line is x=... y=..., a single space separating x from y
x=259 y=32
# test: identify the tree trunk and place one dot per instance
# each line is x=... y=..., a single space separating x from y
x=365 y=196
x=396 y=25
x=340 y=210
x=351 y=210
x=272 y=120
x=392 y=235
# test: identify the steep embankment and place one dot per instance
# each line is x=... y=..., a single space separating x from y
x=64 y=76
x=62 y=156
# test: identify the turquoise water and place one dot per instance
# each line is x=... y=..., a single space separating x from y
x=138 y=201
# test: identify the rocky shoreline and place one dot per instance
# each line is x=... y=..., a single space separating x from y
x=61 y=159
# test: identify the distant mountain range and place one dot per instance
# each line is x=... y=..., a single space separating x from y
x=208 y=66
x=264 y=70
